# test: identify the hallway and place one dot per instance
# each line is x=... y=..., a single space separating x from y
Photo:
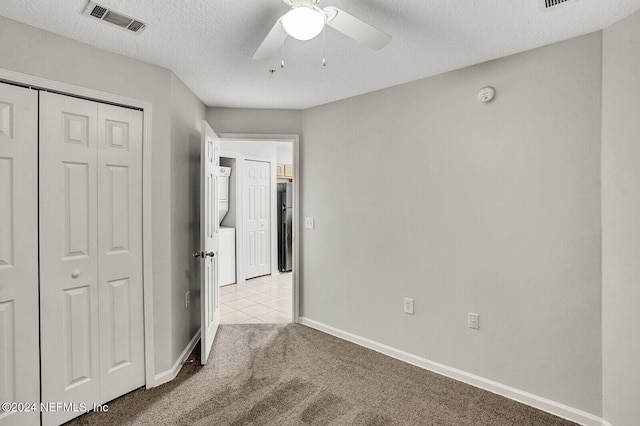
x=265 y=299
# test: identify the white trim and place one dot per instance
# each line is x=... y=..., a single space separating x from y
x=170 y=374
x=147 y=246
x=295 y=140
x=541 y=403
x=147 y=216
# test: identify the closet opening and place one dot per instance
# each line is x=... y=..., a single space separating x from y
x=75 y=184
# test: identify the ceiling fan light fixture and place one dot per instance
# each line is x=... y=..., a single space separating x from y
x=303 y=23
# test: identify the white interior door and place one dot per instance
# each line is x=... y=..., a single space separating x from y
x=70 y=358
x=120 y=251
x=209 y=239
x=19 y=374
x=90 y=252
x=257 y=218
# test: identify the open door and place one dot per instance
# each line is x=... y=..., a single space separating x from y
x=208 y=252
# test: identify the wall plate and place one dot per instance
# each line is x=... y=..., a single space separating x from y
x=309 y=223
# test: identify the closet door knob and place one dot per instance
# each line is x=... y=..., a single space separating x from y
x=75 y=274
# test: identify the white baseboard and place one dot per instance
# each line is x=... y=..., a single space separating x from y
x=524 y=397
x=170 y=374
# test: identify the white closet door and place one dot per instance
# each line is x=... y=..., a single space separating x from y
x=120 y=250
x=69 y=320
x=19 y=374
x=257 y=218
x=92 y=341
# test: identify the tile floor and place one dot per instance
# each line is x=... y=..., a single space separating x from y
x=261 y=299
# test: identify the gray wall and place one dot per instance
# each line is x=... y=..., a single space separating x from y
x=267 y=121
x=421 y=191
x=39 y=53
x=187 y=113
x=620 y=218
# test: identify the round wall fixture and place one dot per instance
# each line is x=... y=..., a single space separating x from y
x=486 y=94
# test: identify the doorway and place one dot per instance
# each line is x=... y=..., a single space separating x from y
x=268 y=295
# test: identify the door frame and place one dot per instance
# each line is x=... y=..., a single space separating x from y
x=37 y=83
x=295 y=140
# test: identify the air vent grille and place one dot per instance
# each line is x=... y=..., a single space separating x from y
x=551 y=3
x=98 y=12
x=117 y=19
x=114 y=17
x=135 y=26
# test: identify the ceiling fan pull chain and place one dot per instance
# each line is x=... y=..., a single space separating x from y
x=282 y=46
x=324 y=46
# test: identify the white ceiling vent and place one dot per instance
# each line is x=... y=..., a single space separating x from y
x=551 y=3
x=113 y=17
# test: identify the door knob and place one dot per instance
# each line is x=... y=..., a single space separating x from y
x=75 y=273
x=203 y=254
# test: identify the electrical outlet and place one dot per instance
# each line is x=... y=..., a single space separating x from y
x=408 y=306
x=474 y=321
x=186 y=300
x=309 y=223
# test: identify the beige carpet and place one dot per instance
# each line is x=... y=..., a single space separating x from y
x=290 y=374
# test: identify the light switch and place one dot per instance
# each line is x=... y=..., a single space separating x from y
x=474 y=321
x=309 y=223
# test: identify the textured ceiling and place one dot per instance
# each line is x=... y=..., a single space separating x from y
x=209 y=44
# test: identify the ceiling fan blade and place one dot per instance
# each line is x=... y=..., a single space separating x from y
x=356 y=29
x=272 y=42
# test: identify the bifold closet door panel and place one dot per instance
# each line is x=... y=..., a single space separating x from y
x=91 y=297
x=69 y=318
x=120 y=250
x=19 y=374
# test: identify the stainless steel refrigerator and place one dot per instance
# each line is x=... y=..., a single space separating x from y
x=285 y=226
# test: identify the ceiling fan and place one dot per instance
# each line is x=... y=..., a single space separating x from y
x=306 y=20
